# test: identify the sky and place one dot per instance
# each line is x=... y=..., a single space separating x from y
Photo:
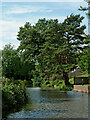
x=15 y=14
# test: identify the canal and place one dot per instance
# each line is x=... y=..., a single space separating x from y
x=53 y=104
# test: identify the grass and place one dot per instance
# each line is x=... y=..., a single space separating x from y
x=85 y=85
x=86 y=75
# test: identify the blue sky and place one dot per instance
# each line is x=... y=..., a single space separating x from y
x=16 y=14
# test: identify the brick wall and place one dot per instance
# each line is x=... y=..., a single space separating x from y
x=82 y=88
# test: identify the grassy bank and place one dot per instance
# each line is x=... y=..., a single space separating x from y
x=85 y=85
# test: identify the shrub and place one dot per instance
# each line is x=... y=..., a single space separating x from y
x=71 y=80
x=13 y=92
x=63 y=87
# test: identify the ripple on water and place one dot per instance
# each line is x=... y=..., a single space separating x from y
x=36 y=113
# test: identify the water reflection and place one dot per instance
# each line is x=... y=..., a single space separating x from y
x=53 y=104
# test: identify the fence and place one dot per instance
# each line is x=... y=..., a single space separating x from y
x=81 y=80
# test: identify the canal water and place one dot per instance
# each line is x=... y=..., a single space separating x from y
x=53 y=104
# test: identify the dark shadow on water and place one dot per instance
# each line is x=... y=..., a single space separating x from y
x=14 y=109
x=7 y=111
x=56 y=101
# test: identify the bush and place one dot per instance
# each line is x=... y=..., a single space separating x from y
x=13 y=92
x=71 y=80
x=63 y=87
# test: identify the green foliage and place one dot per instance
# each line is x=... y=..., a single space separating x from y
x=64 y=87
x=71 y=80
x=13 y=92
x=13 y=66
x=57 y=84
x=8 y=59
x=86 y=65
x=65 y=39
x=85 y=9
x=84 y=60
x=53 y=47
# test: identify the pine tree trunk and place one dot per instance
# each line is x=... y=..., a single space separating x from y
x=66 y=78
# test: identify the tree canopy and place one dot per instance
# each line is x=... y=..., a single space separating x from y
x=51 y=45
x=13 y=66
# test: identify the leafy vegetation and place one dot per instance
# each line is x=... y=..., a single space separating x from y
x=13 y=69
x=48 y=51
x=87 y=51
x=55 y=48
x=13 y=66
x=13 y=93
x=71 y=80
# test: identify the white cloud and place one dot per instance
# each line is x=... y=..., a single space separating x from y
x=8 y=33
x=21 y=9
x=42 y=0
x=16 y=9
x=49 y=10
x=10 y=25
